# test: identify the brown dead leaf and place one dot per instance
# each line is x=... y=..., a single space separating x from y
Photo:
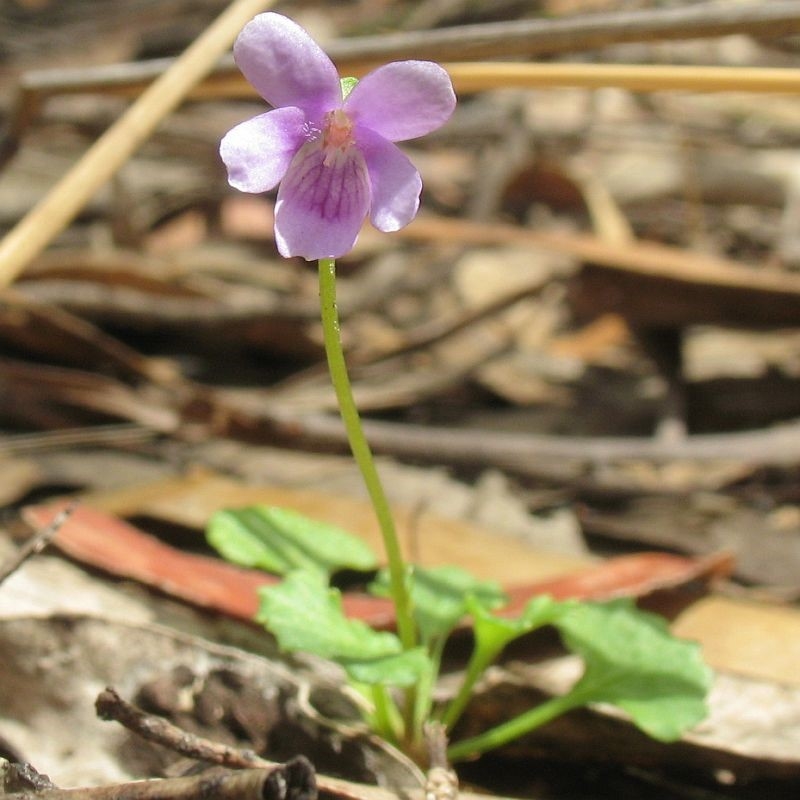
x=595 y=342
x=755 y=640
x=17 y=477
x=190 y=502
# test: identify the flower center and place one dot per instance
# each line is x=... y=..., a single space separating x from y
x=337 y=134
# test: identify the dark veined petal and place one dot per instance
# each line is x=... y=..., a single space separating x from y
x=286 y=66
x=403 y=100
x=394 y=180
x=321 y=206
x=258 y=152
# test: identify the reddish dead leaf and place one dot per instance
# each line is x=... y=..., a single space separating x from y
x=668 y=580
x=115 y=546
x=595 y=340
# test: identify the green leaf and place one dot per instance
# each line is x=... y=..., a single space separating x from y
x=634 y=662
x=304 y=614
x=403 y=669
x=631 y=661
x=493 y=633
x=279 y=540
x=439 y=596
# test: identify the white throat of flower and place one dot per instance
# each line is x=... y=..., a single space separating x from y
x=337 y=135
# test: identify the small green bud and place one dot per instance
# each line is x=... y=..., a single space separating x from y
x=348 y=84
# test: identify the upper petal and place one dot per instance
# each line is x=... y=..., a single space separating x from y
x=285 y=65
x=403 y=100
x=320 y=207
x=394 y=180
x=258 y=152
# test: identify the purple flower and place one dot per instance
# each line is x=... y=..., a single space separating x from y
x=333 y=156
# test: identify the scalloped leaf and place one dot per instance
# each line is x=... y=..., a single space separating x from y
x=280 y=540
x=493 y=633
x=306 y=615
x=634 y=662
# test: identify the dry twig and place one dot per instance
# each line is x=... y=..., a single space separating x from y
x=112 y=706
x=529 y=38
x=441 y=781
x=34 y=232
x=477 y=77
x=36 y=543
x=533 y=454
x=119 y=435
x=580 y=32
x=291 y=781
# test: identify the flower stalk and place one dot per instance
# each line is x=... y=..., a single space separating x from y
x=398 y=577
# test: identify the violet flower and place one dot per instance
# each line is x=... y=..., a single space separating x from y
x=334 y=156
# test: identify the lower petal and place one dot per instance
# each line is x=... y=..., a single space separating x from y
x=322 y=202
x=395 y=182
x=258 y=152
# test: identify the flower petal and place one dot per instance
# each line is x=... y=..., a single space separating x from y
x=286 y=66
x=258 y=152
x=320 y=207
x=403 y=100
x=395 y=182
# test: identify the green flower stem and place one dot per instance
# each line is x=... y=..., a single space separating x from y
x=516 y=727
x=362 y=453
